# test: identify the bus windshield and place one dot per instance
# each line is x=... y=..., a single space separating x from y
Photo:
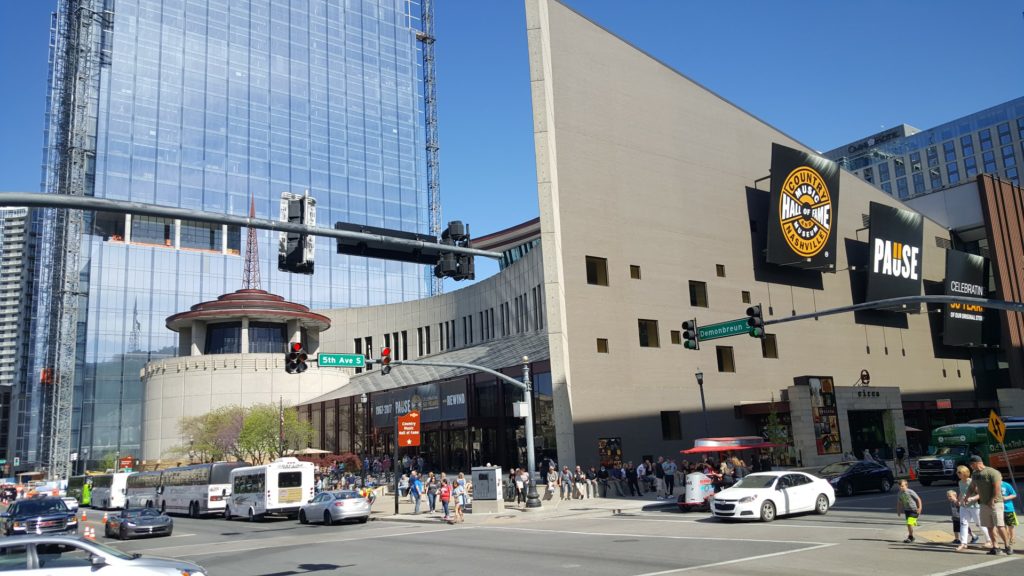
x=951 y=450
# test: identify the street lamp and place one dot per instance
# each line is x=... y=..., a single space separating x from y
x=362 y=441
x=191 y=450
x=703 y=406
x=532 y=499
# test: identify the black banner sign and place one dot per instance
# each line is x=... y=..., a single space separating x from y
x=804 y=209
x=435 y=403
x=965 y=276
x=894 y=252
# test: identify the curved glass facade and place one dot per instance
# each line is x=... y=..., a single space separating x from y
x=205 y=103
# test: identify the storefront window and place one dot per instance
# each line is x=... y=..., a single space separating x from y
x=224 y=338
x=330 y=435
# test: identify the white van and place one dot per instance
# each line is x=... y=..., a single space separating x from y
x=279 y=488
x=108 y=490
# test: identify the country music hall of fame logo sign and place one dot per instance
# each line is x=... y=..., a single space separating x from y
x=804 y=207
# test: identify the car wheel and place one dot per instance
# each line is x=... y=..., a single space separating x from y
x=364 y=519
x=767 y=511
x=821 y=504
x=122 y=534
x=328 y=519
x=227 y=512
x=846 y=489
x=193 y=510
x=163 y=507
x=252 y=515
x=302 y=517
x=886 y=485
x=106 y=530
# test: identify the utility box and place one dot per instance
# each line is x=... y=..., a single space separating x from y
x=487 y=489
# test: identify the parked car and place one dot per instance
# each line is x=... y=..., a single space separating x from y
x=331 y=507
x=39 y=515
x=857 y=476
x=71 y=503
x=73 y=556
x=133 y=522
x=765 y=495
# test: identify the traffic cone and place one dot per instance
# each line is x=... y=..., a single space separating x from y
x=83 y=514
x=90 y=534
x=913 y=475
x=104 y=517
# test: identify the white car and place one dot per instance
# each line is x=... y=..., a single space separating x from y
x=765 y=495
x=71 y=503
x=73 y=556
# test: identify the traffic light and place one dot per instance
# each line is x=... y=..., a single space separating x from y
x=295 y=250
x=385 y=360
x=755 y=321
x=691 y=339
x=450 y=264
x=295 y=360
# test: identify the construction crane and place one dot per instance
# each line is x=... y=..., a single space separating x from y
x=426 y=38
x=80 y=25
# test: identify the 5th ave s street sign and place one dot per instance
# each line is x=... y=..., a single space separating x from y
x=341 y=360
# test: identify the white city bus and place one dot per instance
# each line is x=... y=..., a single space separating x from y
x=142 y=489
x=198 y=489
x=278 y=488
x=108 y=490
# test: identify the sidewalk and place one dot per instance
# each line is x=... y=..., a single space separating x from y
x=384 y=509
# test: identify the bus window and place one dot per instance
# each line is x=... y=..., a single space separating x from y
x=289 y=480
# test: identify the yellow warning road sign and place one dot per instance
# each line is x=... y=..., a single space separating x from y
x=996 y=426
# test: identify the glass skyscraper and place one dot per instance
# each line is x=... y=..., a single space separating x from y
x=906 y=162
x=205 y=104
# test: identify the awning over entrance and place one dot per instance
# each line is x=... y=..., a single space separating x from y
x=496 y=355
x=729 y=444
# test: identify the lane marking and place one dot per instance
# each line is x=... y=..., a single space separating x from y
x=265 y=545
x=975 y=567
x=655 y=536
x=814 y=526
x=737 y=560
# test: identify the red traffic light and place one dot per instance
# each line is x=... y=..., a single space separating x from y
x=296 y=346
x=384 y=352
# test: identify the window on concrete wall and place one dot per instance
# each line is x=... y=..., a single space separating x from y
x=676 y=337
x=597 y=271
x=745 y=296
x=648 y=333
x=720 y=270
x=725 y=359
x=634 y=272
x=357 y=344
x=769 y=346
x=698 y=294
x=671 y=427
x=426 y=330
x=405 y=345
x=602 y=345
x=419 y=342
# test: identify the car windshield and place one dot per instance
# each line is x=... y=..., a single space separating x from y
x=954 y=450
x=140 y=512
x=837 y=468
x=756 y=481
x=347 y=495
x=108 y=551
x=29 y=507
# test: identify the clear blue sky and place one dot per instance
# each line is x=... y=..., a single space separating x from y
x=877 y=63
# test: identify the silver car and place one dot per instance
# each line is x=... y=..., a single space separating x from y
x=331 y=507
x=71 y=555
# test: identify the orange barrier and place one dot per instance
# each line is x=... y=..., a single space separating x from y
x=104 y=517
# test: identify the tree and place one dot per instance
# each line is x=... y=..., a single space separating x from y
x=250 y=434
x=212 y=436
x=775 y=432
x=260 y=438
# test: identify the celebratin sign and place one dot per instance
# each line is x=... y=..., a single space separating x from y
x=965 y=276
x=804 y=208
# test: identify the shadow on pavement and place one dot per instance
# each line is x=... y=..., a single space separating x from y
x=307 y=569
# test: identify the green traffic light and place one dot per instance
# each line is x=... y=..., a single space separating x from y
x=690 y=345
x=756 y=332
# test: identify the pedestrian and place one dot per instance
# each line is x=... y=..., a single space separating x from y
x=552 y=484
x=432 y=486
x=659 y=477
x=648 y=476
x=403 y=486
x=592 y=482
x=901 y=464
x=445 y=492
x=602 y=480
x=520 y=494
x=566 y=482
x=579 y=479
x=524 y=477
x=867 y=456
x=670 y=476
x=969 y=510
x=631 y=478
x=617 y=479
x=986 y=488
x=1010 y=514
x=415 y=490
x=461 y=498
x=909 y=504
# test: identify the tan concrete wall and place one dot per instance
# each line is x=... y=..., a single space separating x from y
x=195 y=385
x=640 y=165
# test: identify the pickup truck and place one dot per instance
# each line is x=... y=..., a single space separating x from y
x=39 y=515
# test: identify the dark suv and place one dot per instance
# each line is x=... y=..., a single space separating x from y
x=41 y=515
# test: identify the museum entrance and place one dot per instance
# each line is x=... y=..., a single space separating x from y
x=867 y=430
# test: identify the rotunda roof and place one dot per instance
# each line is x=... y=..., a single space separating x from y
x=258 y=305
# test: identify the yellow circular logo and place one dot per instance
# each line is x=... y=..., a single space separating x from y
x=805 y=211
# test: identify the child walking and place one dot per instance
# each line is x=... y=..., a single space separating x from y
x=908 y=503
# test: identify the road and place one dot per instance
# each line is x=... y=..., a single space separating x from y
x=861 y=535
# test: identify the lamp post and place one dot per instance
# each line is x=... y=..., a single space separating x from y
x=191 y=450
x=532 y=499
x=362 y=441
x=703 y=406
